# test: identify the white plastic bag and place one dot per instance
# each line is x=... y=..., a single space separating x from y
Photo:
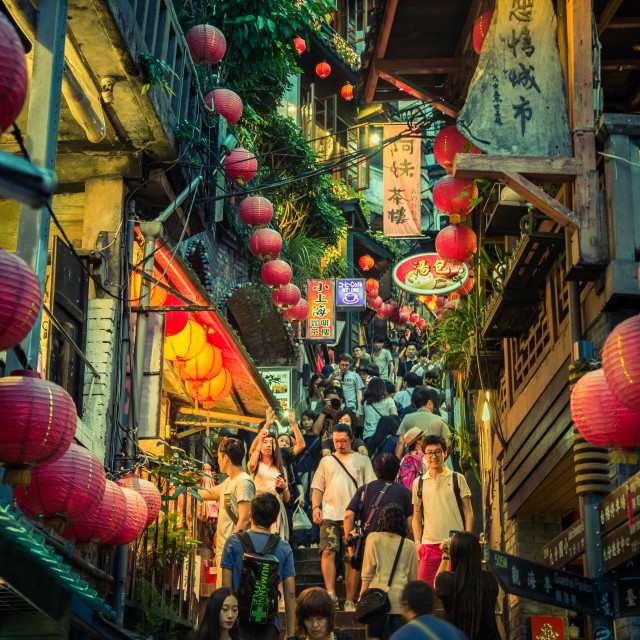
x=301 y=520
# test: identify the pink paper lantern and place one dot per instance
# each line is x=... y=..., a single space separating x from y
x=206 y=44
x=69 y=489
x=621 y=362
x=275 y=274
x=286 y=296
x=600 y=417
x=226 y=103
x=255 y=211
x=135 y=519
x=298 y=312
x=265 y=243
x=456 y=243
x=422 y=323
x=376 y=302
x=240 y=165
x=414 y=317
x=13 y=74
x=174 y=321
x=149 y=493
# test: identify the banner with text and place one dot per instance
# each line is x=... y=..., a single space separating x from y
x=401 y=184
x=321 y=325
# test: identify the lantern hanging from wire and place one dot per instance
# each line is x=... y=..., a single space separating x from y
x=255 y=211
x=104 y=522
x=20 y=297
x=275 y=274
x=37 y=427
x=185 y=345
x=286 y=296
x=456 y=243
x=174 y=321
x=454 y=196
x=298 y=312
x=240 y=165
x=448 y=143
x=323 y=69
x=371 y=285
x=226 y=103
x=67 y=490
x=366 y=262
x=347 y=91
x=265 y=243
x=421 y=323
x=467 y=286
x=600 y=417
x=211 y=391
x=13 y=74
x=376 y=302
x=149 y=493
x=207 y=44
x=135 y=520
x=158 y=294
x=413 y=318
x=300 y=44
x=204 y=366
x=621 y=362
x=480 y=30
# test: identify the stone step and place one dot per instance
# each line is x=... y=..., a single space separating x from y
x=306 y=554
x=307 y=566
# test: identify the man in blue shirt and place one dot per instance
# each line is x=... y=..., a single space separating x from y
x=264 y=511
x=417 y=606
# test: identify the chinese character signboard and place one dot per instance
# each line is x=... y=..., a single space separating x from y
x=321 y=322
x=350 y=295
x=401 y=184
x=565 y=547
x=427 y=273
x=516 y=102
x=547 y=628
x=279 y=381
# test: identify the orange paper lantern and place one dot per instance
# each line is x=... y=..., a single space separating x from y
x=187 y=344
x=206 y=365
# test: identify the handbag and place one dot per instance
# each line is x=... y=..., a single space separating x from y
x=374 y=603
x=358 y=547
x=300 y=520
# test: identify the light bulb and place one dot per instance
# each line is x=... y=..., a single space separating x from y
x=375 y=138
x=485 y=412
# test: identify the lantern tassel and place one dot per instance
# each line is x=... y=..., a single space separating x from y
x=207 y=423
x=17 y=477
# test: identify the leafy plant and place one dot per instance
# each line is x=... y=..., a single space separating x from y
x=156 y=73
x=173 y=547
x=157 y=620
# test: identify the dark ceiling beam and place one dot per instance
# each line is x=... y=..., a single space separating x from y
x=607 y=14
x=624 y=23
x=419 y=66
x=389 y=96
x=417 y=92
x=620 y=65
x=635 y=99
x=380 y=49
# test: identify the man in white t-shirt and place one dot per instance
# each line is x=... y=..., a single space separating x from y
x=235 y=493
x=351 y=382
x=439 y=507
x=334 y=484
x=383 y=359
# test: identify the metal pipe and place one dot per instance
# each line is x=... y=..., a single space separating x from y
x=175 y=204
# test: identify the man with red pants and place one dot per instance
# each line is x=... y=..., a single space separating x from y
x=442 y=504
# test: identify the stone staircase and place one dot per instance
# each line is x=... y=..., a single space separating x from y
x=309 y=574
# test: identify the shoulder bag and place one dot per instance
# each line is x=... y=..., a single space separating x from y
x=358 y=547
x=374 y=603
x=335 y=457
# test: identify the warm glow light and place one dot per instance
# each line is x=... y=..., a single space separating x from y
x=375 y=138
x=485 y=412
x=292 y=108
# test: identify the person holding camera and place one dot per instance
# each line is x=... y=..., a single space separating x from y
x=266 y=467
x=333 y=403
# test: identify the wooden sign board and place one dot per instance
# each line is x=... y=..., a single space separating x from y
x=621 y=545
x=614 y=508
x=628 y=597
x=516 y=103
x=565 y=547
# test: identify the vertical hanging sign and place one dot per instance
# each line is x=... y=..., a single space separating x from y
x=321 y=325
x=401 y=184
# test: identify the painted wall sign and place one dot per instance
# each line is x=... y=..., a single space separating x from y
x=516 y=103
x=401 y=184
x=350 y=294
x=321 y=322
x=428 y=273
x=547 y=628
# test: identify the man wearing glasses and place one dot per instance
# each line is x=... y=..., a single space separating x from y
x=442 y=504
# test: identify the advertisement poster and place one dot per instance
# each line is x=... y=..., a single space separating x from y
x=279 y=381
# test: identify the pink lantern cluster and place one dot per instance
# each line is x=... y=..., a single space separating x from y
x=605 y=404
x=13 y=74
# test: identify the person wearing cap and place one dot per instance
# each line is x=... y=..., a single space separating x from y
x=413 y=440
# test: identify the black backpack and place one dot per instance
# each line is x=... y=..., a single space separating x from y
x=257 y=590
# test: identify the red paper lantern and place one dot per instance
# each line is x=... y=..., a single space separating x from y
x=187 y=344
x=240 y=165
x=135 y=520
x=384 y=311
x=453 y=303
x=401 y=318
x=376 y=303
x=107 y=519
x=206 y=44
x=212 y=390
x=447 y=143
x=37 y=427
x=265 y=243
x=255 y=211
x=174 y=321
x=149 y=493
x=286 y=296
x=480 y=30
x=323 y=69
x=422 y=323
x=226 y=103
x=347 y=92
x=439 y=315
x=298 y=312
x=275 y=273
x=621 y=362
x=300 y=45
x=207 y=364
x=371 y=285
x=68 y=489
x=453 y=195
x=414 y=317
x=467 y=286
x=406 y=310
x=20 y=295
x=158 y=294
x=456 y=243
x=366 y=262
x=600 y=417
x=13 y=75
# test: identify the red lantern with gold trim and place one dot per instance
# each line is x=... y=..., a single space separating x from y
x=366 y=262
x=275 y=274
x=149 y=493
x=298 y=312
x=207 y=44
x=265 y=243
x=13 y=74
x=240 y=165
x=300 y=45
x=453 y=195
x=347 y=92
x=371 y=285
x=226 y=103
x=376 y=303
x=448 y=143
x=323 y=69
x=187 y=344
x=135 y=519
x=255 y=211
x=212 y=391
x=456 y=243
x=286 y=296
x=480 y=30
x=414 y=317
x=621 y=362
x=421 y=323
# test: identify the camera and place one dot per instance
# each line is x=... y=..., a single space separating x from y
x=335 y=403
x=270 y=433
x=353 y=536
x=280 y=489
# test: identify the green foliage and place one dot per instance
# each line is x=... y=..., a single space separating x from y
x=157 y=619
x=175 y=546
x=156 y=73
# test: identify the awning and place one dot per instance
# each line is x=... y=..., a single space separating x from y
x=18 y=539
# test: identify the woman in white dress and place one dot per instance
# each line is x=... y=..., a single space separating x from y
x=269 y=474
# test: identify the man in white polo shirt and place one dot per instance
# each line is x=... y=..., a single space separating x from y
x=442 y=504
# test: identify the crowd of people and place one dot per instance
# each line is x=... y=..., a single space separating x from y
x=366 y=457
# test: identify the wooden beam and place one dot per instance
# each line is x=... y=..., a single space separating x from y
x=221 y=415
x=419 y=66
x=635 y=99
x=389 y=96
x=620 y=65
x=607 y=14
x=543 y=201
x=537 y=168
x=419 y=93
x=624 y=23
x=465 y=38
x=379 y=49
